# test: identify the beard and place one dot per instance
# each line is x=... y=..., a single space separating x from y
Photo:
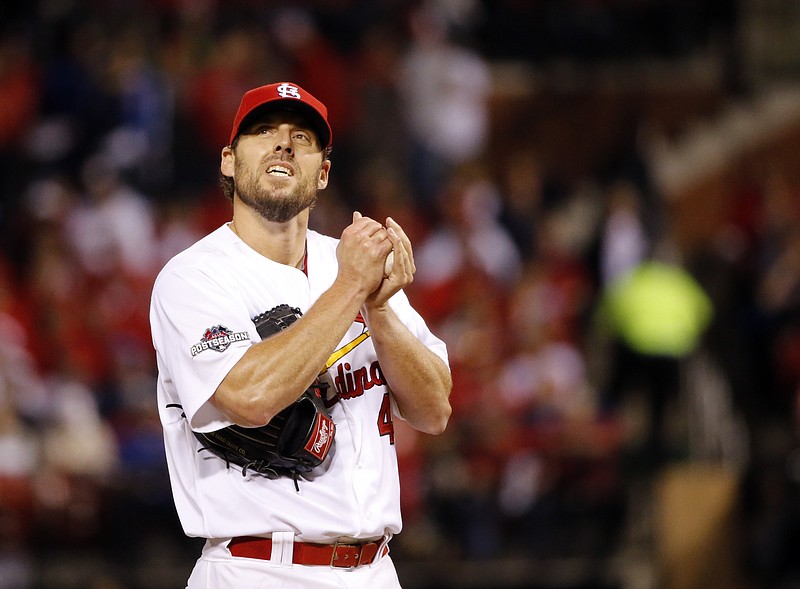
x=278 y=205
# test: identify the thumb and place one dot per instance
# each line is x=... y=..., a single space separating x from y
x=356 y=215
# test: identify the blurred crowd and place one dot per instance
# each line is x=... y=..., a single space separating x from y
x=575 y=323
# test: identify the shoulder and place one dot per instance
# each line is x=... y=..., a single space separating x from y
x=207 y=256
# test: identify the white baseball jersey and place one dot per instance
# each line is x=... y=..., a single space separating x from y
x=201 y=314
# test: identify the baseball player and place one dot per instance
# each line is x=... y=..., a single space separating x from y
x=356 y=334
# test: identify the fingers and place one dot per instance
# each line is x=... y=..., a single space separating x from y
x=363 y=248
x=360 y=222
x=367 y=226
x=401 y=244
x=378 y=234
x=396 y=233
x=401 y=272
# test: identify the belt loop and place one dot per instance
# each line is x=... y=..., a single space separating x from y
x=383 y=546
x=282 y=548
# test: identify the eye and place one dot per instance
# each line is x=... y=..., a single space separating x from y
x=261 y=129
x=303 y=137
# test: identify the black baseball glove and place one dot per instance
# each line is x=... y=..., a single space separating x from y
x=295 y=441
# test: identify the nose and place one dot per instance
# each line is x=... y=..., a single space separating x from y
x=284 y=140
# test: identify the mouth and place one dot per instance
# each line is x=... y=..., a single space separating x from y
x=279 y=171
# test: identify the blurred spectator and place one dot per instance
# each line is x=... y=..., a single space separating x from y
x=23 y=410
x=379 y=135
x=19 y=104
x=445 y=88
x=544 y=378
x=59 y=289
x=177 y=227
x=523 y=189
x=23 y=396
x=78 y=442
x=141 y=145
x=77 y=106
x=778 y=288
x=112 y=228
x=469 y=234
x=624 y=240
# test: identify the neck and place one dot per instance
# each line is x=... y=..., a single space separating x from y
x=284 y=243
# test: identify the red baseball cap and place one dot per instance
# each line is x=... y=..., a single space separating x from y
x=288 y=96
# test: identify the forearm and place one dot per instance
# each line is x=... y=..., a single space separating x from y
x=420 y=381
x=275 y=372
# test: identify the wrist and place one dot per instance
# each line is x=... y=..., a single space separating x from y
x=350 y=290
x=374 y=311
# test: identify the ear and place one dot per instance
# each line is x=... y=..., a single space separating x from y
x=227 y=158
x=324 y=172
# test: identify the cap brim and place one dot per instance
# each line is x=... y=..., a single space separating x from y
x=318 y=124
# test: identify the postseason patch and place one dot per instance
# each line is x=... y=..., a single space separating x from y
x=218 y=338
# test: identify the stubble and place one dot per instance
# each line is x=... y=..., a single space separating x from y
x=271 y=200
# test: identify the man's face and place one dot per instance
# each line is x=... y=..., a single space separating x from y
x=277 y=166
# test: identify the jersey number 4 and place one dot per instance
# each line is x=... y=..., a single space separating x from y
x=385 y=423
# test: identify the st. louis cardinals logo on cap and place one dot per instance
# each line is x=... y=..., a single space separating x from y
x=288 y=91
x=218 y=338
